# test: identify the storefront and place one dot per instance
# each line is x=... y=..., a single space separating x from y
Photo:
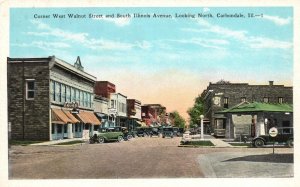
x=88 y=123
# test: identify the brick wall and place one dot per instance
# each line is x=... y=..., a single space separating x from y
x=29 y=118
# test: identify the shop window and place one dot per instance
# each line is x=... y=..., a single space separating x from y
x=86 y=127
x=225 y=102
x=59 y=129
x=96 y=127
x=280 y=100
x=30 y=89
x=65 y=128
x=57 y=92
x=266 y=99
x=52 y=128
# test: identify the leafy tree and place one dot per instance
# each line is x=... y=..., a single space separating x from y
x=177 y=120
x=195 y=111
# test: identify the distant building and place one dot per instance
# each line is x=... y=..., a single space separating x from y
x=134 y=113
x=153 y=114
x=118 y=108
x=49 y=99
x=101 y=110
x=104 y=88
x=222 y=95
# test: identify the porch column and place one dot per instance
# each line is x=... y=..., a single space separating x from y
x=70 y=131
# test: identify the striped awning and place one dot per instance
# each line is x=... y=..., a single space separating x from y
x=70 y=116
x=88 y=117
x=59 y=117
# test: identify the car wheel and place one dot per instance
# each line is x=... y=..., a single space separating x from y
x=144 y=135
x=163 y=136
x=101 y=140
x=129 y=137
x=259 y=143
x=120 y=138
x=290 y=143
x=92 y=141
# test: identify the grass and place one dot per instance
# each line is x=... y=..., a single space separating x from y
x=23 y=142
x=197 y=143
x=70 y=142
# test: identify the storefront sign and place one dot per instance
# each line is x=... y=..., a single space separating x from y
x=71 y=105
x=273 y=132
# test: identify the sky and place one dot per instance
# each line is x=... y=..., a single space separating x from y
x=162 y=60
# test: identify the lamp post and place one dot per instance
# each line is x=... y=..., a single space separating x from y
x=201 y=117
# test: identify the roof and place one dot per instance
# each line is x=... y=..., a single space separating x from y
x=255 y=107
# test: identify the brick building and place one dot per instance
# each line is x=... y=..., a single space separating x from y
x=154 y=114
x=222 y=95
x=104 y=88
x=134 y=113
x=49 y=99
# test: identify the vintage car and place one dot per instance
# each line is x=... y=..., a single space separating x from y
x=178 y=131
x=143 y=131
x=106 y=135
x=285 y=136
x=168 y=132
x=126 y=134
x=154 y=131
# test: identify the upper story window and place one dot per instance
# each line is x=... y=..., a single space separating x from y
x=30 y=89
x=280 y=99
x=112 y=104
x=266 y=99
x=226 y=102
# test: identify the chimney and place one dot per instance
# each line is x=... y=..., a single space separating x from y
x=271 y=83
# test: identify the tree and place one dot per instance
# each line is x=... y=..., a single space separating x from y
x=195 y=111
x=177 y=120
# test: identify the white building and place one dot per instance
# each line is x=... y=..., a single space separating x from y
x=118 y=108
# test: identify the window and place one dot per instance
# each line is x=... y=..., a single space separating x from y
x=30 y=85
x=280 y=99
x=63 y=93
x=225 y=102
x=81 y=97
x=73 y=94
x=68 y=93
x=65 y=128
x=57 y=92
x=112 y=103
x=77 y=96
x=243 y=99
x=59 y=128
x=52 y=129
x=52 y=90
x=266 y=99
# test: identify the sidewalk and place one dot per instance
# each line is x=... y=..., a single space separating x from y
x=58 y=141
x=216 y=142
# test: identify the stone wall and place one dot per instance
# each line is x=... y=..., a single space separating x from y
x=29 y=118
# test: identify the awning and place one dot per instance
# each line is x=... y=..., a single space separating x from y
x=70 y=116
x=88 y=117
x=101 y=115
x=143 y=124
x=59 y=117
x=258 y=107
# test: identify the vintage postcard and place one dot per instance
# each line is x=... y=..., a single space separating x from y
x=172 y=93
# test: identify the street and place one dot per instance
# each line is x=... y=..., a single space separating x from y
x=146 y=158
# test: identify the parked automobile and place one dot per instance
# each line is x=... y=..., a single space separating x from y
x=168 y=132
x=126 y=134
x=142 y=131
x=178 y=131
x=285 y=135
x=154 y=131
x=106 y=135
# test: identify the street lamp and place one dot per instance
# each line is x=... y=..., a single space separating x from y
x=201 y=117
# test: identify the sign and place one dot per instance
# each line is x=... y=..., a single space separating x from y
x=112 y=111
x=273 y=132
x=71 y=105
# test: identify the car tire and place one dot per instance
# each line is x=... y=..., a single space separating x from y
x=129 y=137
x=120 y=138
x=92 y=141
x=259 y=143
x=290 y=143
x=163 y=136
x=101 y=140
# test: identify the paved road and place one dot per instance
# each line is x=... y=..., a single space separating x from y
x=139 y=158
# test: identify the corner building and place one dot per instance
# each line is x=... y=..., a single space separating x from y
x=49 y=99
